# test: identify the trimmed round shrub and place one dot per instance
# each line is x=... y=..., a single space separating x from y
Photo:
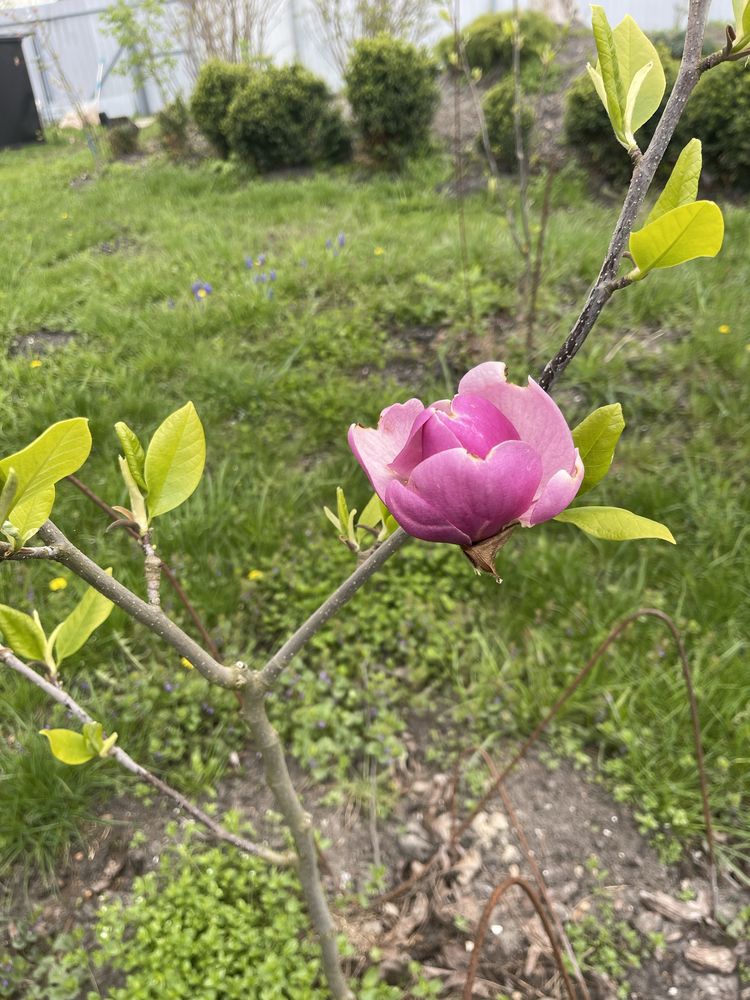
x=717 y=113
x=393 y=95
x=498 y=112
x=589 y=134
x=488 y=40
x=286 y=117
x=174 y=124
x=217 y=83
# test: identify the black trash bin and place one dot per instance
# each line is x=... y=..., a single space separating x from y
x=19 y=120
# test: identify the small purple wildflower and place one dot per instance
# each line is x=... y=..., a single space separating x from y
x=321 y=724
x=201 y=289
x=249 y=263
x=272 y=275
x=324 y=676
x=208 y=709
x=168 y=686
x=261 y=259
x=341 y=240
x=329 y=244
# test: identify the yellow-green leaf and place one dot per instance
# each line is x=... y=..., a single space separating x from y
x=8 y=495
x=614 y=524
x=174 y=461
x=596 y=438
x=684 y=233
x=741 y=18
x=634 y=51
x=133 y=451
x=91 y=611
x=608 y=69
x=67 y=746
x=682 y=186
x=137 y=503
x=29 y=514
x=59 y=451
x=22 y=633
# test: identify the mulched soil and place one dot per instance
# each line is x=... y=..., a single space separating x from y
x=566 y=818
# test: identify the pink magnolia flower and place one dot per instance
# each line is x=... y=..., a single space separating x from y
x=465 y=469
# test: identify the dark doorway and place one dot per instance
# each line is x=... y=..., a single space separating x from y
x=19 y=121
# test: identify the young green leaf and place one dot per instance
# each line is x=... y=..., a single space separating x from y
x=634 y=51
x=632 y=101
x=22 y=633
x=59 y=451
x=342 y=508
x=741 y=17
x=607 y=68
x=91 y=611
x=614 y=524
x=133 y=452
x=8 y=494
x=682 y=186
x=92 y=732
x=137 y=503
x=67 y=746
x=174 y=461
x=684 y=233
x=29 y=514
x=596 y=438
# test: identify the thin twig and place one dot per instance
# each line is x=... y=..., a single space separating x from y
x=24 y=554
x=125 y=760
x=331 y=606
x=529 y=854
x=569 y=691
x=484 y=925
x=687 y=77
x=154 y=619
x=300 y=826
x=166 y=569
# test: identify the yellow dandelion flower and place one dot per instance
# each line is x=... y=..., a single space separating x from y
x=379 y=251
x=59 y=583
x=65 y=216
x=35 y=363
x=185 y=662
x=724 y=328
x=747 y=347
x=255 y=574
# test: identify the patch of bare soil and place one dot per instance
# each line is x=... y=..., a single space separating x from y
x=39 y=342
x=566 y=820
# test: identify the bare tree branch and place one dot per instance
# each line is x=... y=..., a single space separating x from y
x=125 y=760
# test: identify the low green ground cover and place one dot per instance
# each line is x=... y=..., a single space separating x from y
x=277 y=369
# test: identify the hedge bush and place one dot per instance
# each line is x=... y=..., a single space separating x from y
x=393 y=95
x=488 y=40
x=286 y=117
x=589 y=134
x=498 y=112
x=717 y=113
x=217 y=83
x=174 y=129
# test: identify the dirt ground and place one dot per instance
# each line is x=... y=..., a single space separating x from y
x=593 y=861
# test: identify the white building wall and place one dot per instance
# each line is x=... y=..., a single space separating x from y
x=70 y=32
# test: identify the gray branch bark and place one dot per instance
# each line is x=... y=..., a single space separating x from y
x=125 y=760
x=153 y=618
x=605 y=285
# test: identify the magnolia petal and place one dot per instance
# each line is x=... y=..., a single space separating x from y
x=420 y=518
x=535 y=415
x=559 y=493
x=479 y=496
x=376 y=448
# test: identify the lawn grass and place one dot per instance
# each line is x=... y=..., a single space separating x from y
x=278 y=380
